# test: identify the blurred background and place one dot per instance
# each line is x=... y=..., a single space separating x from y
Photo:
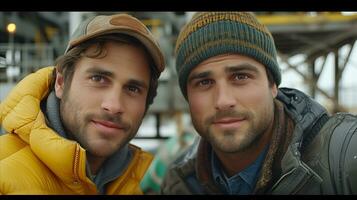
x=316 y=54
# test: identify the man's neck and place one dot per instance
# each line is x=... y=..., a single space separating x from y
x=95 y=163
x=233 y=163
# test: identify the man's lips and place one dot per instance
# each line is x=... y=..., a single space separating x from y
x=227 y=120
x=108 y=124
x=228 y=123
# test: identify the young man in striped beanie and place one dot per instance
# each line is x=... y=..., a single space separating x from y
x=255 y=138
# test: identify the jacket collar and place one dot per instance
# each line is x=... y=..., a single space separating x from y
x=53 y=114
x=302 y=109
x=20 y=109
x=281 y=136
x=203 y=167
x=22 y=115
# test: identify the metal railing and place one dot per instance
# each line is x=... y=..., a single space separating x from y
x=18 y=60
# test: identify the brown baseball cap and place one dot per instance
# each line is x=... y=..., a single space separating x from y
x=119 y=23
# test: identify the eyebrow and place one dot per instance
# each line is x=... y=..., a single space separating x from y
x=228 y=69
x=100 y=71
x=138 y=83
x=241 y=67
x=199 y=75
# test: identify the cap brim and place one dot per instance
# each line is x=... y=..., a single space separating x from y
x=153 y=49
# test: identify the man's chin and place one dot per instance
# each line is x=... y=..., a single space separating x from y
x=224 y=146
x=230 y=144
x=101 y=154
x=101 y=150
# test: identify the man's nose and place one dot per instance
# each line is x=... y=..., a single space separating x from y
x=112 y=102
x=225 y=97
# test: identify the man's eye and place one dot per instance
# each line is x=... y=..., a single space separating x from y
x=133 y=89
x=241 y=76
x=204 y=82
x=97 y=78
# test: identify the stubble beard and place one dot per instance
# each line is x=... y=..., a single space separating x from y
x=227 y=141
x=76 y=126
x=233 y=140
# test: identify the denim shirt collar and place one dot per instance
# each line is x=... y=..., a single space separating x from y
x=246 y=178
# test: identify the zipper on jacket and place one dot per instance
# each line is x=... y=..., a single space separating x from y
x=76 y=169
x=76 y=165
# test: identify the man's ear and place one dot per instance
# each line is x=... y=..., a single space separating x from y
x=274 y=90
x=59 y=84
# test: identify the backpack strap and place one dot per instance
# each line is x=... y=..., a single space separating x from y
x=310 y=133
x=343 y=154
x=335 y=171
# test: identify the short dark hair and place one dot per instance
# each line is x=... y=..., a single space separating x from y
x=65 y=63
x=270 y=77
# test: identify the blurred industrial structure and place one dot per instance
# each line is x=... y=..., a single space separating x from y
x=39 y=37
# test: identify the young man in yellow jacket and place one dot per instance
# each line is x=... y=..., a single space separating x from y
x=68 y=127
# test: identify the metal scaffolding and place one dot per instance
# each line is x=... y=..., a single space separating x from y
x=314 y=35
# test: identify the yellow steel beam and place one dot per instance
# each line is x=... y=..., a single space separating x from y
x=151 y=22
x=304 y=18
x=154 y=24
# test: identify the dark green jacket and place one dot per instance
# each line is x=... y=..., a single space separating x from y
x=320 y=158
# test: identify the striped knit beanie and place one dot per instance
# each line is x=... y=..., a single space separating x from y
x=210 y=34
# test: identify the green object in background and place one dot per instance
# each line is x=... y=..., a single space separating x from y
x=167 y=152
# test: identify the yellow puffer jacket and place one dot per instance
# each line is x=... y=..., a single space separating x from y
x=36 y=160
